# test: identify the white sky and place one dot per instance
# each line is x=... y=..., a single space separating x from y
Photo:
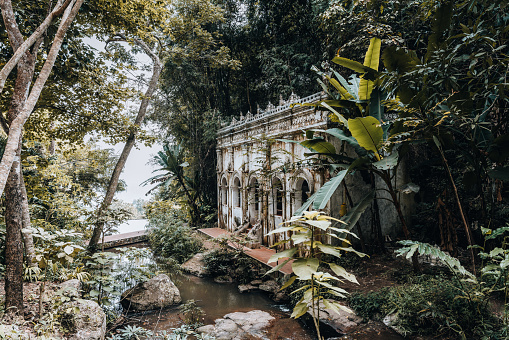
x=137 y=169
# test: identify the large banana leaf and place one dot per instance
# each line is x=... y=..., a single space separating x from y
x=376 y=109
x=342 y=90
x=388 y=162
x=501 y=173
x=318 y=145
x=371 y=60
x=324 y=194
x=355 y=66
x=340 y=134
x=368 y=132
x=345 y=84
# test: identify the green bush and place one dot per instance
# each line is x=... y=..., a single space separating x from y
x=170 y=237
x=235 y=264
x=431 y=307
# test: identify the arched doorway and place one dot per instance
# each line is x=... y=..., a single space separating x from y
x=236 y=201
x=254 y=201
x=302 y=192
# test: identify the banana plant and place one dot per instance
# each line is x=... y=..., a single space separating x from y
x=306 y=255
x=361 y=103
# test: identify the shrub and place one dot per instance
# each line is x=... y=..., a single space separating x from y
x=431 y=307
x=171 y=238
x=232 y=263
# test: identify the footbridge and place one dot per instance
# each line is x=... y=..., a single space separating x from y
x=125 y=239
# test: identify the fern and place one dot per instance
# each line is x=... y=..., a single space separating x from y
x=427 y=249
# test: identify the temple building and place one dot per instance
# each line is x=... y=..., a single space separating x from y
x=263 y=176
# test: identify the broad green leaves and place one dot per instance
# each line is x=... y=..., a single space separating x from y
x=371 y=60
x=324 y=194
x=368 y=132
x=306 y=253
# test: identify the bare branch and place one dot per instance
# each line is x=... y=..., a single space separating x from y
x=6 y=7
x=17 y=124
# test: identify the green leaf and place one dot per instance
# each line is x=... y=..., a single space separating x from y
x=371 y=60
x=306 y=205
x=319 y=145
x=336 y=306
x=324 y=194
x=288 y=283
x=340 y=271
x=281 y=230
x=501 y=173
x=301 y=237
x=339 y=115
x=504 y=264
x=353 y=65
x=340 y=134
x=323 y=225
x=299 y=310
x=304 y=268
x=278 y=267
x=376 y=109
x=353 y=216
x=368 y=132
x=329 y=250
x=351 y=250
x=345 y=84
x=388 y=162
x=284 y=254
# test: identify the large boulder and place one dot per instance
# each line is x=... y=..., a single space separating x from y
x=342 y=322
x=85 y=319
x=158 y=292
x=196 y=266
x=239 y=326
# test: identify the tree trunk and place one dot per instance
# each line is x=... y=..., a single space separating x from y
x=112 y=186
x=13 y=242
x=13 y=193
x=16 y=126
x=28 y=239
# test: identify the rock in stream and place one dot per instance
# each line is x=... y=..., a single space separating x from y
x=158 y=292
x=239 y=326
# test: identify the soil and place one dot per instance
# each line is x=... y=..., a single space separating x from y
x=31 y=296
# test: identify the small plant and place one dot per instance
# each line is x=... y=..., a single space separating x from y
x=471 y=292
x=306 y=255
x=135 y=332
x=193 y=314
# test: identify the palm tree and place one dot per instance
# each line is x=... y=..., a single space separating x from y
x=173 y=164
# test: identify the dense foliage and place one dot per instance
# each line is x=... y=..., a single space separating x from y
x=430 y=307
x=170 y=236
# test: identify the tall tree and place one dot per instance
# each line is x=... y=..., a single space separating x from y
x=181 y=34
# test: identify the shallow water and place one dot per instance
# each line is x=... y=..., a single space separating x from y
x=217 y=300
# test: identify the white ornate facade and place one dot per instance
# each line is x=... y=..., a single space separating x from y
x=261 y=183
x=268 y=183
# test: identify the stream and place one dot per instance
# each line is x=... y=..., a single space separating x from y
x=215 y=299
x=219 y=299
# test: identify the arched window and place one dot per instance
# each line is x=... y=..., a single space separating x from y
x=224 y=192
x=302 y=192
x=277 y=197
x=236 y=193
